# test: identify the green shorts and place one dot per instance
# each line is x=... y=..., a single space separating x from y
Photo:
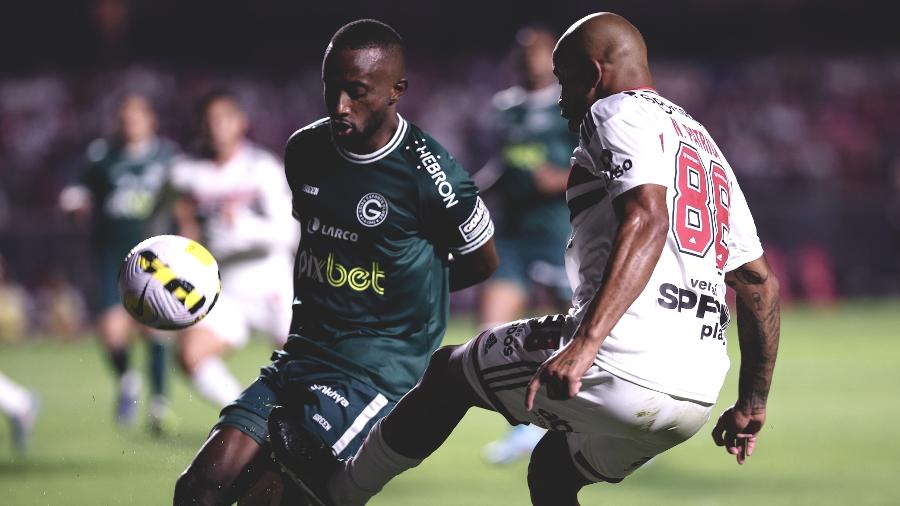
x=526 y=260
x=338 y=408
x=107 y=268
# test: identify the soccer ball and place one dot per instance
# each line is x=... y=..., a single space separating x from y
x=169 y=282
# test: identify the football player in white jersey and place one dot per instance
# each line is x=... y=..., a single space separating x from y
x=235 y=200
x=660 y=226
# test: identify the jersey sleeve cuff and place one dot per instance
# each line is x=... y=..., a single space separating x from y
x=476 y=243
x=738 y=259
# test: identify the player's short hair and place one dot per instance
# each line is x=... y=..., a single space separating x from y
x=365 y=34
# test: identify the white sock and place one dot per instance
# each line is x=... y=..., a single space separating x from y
x=14 y=400
x=130 y=383
x=364 y=475
x=213 y=380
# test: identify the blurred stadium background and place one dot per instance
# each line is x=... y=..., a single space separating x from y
x=802 y=96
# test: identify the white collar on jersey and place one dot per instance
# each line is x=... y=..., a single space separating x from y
x=380 y=153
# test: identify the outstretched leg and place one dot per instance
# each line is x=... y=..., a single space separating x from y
x=417 y=426
x=426 y=416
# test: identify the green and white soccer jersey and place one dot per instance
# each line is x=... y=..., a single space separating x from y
x=371 y=273
x=125 y=191
x=532 y=134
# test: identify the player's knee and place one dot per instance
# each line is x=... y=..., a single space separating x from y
x=190 y=352
x=202 y=486
x=187 y=489
x=438 y=367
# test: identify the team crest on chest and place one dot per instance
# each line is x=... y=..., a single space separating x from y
x=372 y=209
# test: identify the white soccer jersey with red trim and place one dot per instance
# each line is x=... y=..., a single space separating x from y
x=672 y=337
x=244 y=205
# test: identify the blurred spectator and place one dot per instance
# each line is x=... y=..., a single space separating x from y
x=14 y=308
x=60 y=306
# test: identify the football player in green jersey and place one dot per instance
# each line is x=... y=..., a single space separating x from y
x=121 y=190
x=535 y=146
x=383 y=208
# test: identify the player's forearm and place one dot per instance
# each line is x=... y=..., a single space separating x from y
x=759 y=329
x=635 y=252
x=473 y=268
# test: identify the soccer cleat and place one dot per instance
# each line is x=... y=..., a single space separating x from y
x=23 y=425
x=516 y=444
x=127 y=403
x=302 y=456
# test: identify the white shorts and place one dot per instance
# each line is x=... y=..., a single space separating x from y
x=255 y=295
x=612 y=426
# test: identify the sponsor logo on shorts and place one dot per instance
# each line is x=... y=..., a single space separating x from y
x=315 y=226
x=552 y=421
x=372 y=209
x=331 y=393
x=511 y=338
x=319 y=419
x=491 y=341
x=312 y=190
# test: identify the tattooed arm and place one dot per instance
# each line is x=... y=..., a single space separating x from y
x=759 y=327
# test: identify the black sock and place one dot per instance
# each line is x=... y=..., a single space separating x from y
x=157 y=368
x=119 y=360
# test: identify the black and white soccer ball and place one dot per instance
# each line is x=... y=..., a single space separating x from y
x=169 y=282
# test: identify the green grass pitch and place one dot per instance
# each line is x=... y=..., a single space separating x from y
x=829 y=438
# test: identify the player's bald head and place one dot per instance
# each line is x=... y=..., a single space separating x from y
x=380 y=40
x=607 y=40
x=601 y=54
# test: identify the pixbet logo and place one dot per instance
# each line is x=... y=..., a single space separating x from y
x=328 y=270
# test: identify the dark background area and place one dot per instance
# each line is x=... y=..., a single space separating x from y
x=275 y=36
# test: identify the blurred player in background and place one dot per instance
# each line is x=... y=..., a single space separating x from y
x=535 y=149
x=21 y=407
x=120 y=191
x=382 y=206
x=660 y=226
x=232 y=197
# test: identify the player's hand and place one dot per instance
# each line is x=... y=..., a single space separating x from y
x=562 y=372
x=737 y=431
